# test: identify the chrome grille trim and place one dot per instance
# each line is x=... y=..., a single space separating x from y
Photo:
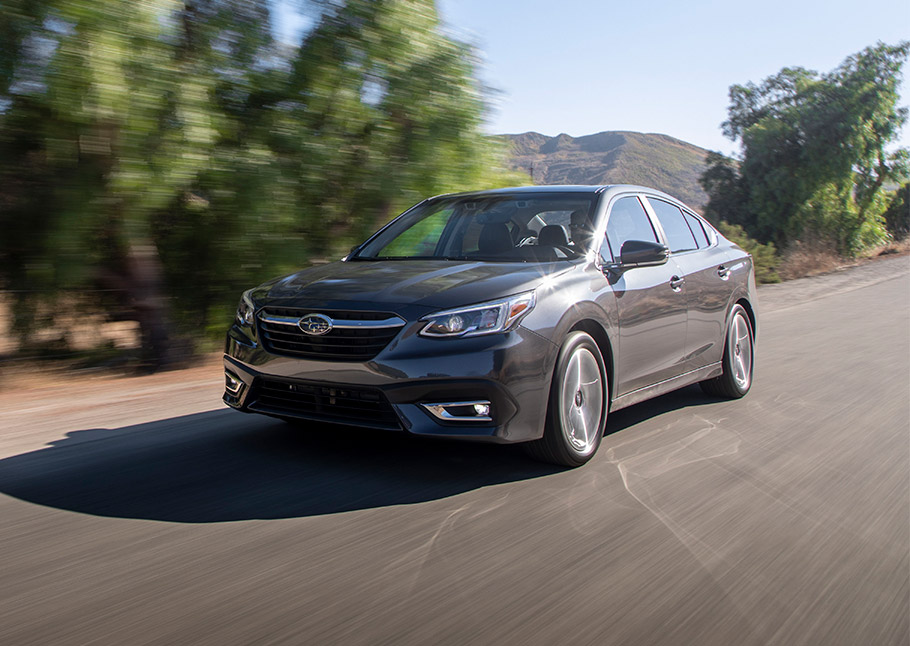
x=341 y=324
x=355 y=335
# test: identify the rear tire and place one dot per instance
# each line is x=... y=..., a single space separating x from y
x=577 y=410
x=739 y=354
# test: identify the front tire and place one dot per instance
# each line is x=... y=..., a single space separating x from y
x=577 y=410
x=739 y=353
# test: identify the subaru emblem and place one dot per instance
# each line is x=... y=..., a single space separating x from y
x=315 y=324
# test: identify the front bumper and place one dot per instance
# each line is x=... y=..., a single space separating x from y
x=511 y=371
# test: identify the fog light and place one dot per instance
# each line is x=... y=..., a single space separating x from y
x=232 y=383
x=470 y=411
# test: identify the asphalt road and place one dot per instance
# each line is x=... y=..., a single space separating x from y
x=139 y=511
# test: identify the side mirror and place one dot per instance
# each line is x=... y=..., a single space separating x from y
x=641 y=253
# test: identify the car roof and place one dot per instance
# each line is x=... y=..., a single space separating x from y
x=562 y=188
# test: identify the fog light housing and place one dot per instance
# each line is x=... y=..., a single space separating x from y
x=469 y=411
x=232 y=383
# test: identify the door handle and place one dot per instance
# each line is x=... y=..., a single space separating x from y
x=676 y=283
x=723 y=272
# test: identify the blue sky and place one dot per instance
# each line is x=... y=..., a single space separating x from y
x=583 y=66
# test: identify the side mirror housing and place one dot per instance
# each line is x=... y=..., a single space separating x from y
x=641 y=253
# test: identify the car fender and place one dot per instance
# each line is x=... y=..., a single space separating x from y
x=577 y=311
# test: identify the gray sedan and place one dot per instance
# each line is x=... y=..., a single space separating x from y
x=511 y=315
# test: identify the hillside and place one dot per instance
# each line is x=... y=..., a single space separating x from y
x=659 y=161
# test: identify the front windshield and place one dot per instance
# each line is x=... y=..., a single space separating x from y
x=540 y=227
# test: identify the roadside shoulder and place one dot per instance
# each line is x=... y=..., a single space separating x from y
x=788 y=294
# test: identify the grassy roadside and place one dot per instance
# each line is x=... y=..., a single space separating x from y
x=803 y=261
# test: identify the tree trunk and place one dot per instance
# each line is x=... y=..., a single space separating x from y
x=139 y=281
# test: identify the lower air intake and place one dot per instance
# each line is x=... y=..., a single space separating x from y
x=354 y=405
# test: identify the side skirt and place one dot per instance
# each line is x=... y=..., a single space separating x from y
x=663 y=387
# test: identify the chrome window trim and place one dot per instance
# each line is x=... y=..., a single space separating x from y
x=710 y=231
x=711 y=240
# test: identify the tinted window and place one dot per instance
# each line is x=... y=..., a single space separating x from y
x=700 y=236
x=679 y=236
x=628 y=221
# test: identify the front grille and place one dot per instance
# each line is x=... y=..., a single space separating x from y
x=339 y=404
x=357 y=336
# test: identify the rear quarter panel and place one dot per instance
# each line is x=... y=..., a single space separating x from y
x=742 y=277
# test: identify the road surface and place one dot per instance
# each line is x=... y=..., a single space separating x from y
x=140 y=511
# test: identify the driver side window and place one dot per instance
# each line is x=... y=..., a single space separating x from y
x=628 y=221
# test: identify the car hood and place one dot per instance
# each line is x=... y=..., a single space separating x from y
x=430 y=283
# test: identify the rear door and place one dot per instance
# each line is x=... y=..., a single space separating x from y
x=701 y=263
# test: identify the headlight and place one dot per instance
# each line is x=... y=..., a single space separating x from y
x=483 y=318
x=246 y=310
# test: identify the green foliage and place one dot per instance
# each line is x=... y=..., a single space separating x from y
x=764 y=256
x=171 y=154
x=814 y=152
x=833 y=215
x=897 y=216
x=721 y=180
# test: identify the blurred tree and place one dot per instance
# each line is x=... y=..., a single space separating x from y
x=814 y=152
x=383 y=109
x=172 y=153
x=230 y=224
x=116 y=121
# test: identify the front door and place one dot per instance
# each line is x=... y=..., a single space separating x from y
x=651 y=304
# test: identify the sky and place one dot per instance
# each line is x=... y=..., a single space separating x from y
x=663 y=66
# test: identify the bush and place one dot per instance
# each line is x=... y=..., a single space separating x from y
x=764 y=256
x=897 y=217
x=833 y=217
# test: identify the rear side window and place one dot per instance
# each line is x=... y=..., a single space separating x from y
x=541 y=220
x=628 y=221
x=700 y=236
x=679 y=236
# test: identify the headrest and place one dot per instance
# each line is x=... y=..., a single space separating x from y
x=494 y=239
x=553 y=235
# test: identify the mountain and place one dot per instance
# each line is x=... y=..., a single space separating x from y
x=616 y=157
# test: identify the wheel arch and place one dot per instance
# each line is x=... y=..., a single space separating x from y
x=750 y=312
x=596 y=331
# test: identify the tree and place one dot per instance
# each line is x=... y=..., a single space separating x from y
x=814 y=151
x=384 y=109
x=169 y=153
x=721 y=180
x=125 y=125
